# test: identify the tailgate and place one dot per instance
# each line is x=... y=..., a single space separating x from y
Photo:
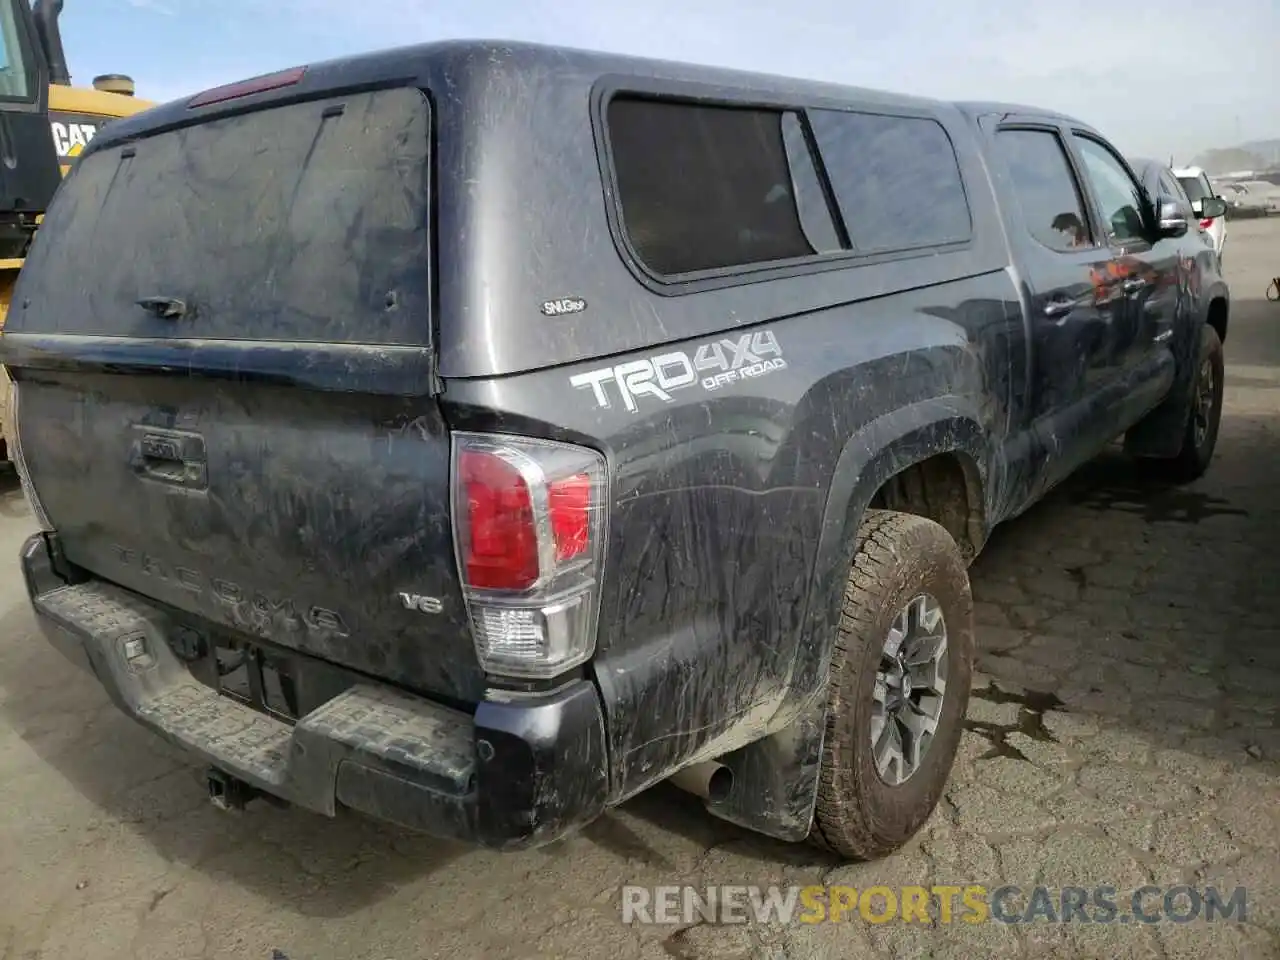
x=225 y=381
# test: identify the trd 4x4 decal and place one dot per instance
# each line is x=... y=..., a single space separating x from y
x=712 y=366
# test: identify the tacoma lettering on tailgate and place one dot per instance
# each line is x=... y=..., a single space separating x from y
x=249 y=608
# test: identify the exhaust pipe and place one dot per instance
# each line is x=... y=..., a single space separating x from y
x=46 y=13
x=115 y=83
x=709 y=780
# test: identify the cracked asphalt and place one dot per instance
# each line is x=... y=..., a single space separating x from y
x=1123 y=731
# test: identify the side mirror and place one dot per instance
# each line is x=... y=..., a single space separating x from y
x=1212 y=207
x=1172 y=219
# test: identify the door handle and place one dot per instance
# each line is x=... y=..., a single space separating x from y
x=1058 y=308
x=1134 y=285
x=170 y=456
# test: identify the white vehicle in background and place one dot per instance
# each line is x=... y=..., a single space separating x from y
x=1196 y=183
x=1262 y=194
x=1244 y=203
x=1231 y=192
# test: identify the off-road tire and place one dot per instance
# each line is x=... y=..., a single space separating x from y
x=1193 y=458
x=898 y=556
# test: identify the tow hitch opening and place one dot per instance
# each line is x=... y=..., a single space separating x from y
x=226 y=792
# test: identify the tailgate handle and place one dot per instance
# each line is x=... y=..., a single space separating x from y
x=166 y=308
x=170 y=456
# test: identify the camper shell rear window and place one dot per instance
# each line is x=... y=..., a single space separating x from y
x=307 y=222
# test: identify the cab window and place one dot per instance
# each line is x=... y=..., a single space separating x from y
x=706 y=187
x=1197 y=187
x=1045 y=187
x=15 y=73
x=1173 y=188
x=1119 y=197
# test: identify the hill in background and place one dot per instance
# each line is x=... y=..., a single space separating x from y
x=1255 y=155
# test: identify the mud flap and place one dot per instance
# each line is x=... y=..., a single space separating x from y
x=1159 y=434
x=775 y=779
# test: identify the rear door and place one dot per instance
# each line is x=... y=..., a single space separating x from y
x=222 y=345
x=1071 y=293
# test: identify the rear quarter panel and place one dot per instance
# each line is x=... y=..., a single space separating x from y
x=723 y=558
x=731 y=507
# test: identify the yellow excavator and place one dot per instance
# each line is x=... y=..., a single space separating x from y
x=77 y=113
x=44 y=124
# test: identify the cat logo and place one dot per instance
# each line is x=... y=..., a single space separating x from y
x=71 y=134
x=71 y=138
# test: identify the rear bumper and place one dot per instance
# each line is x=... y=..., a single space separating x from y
x=513 y=774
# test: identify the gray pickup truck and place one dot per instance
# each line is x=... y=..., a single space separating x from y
x=475 y=435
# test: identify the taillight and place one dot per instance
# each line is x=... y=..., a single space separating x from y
x=569 y=503
x=529 y=526
x=1206 y=224
x=501 y=547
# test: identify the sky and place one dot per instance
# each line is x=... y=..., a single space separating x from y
x=1161 y=80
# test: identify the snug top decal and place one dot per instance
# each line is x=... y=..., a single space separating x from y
x=712 y=366
x=565 y=305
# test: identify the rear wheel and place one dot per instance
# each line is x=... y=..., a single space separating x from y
x=899 y=686
x=1200 y=436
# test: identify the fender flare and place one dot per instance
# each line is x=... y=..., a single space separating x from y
x=776 y=777
x=883 y=448
x=1218 y=291
x=1159 y=434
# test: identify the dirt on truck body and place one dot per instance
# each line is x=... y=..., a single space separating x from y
x=481 y=433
